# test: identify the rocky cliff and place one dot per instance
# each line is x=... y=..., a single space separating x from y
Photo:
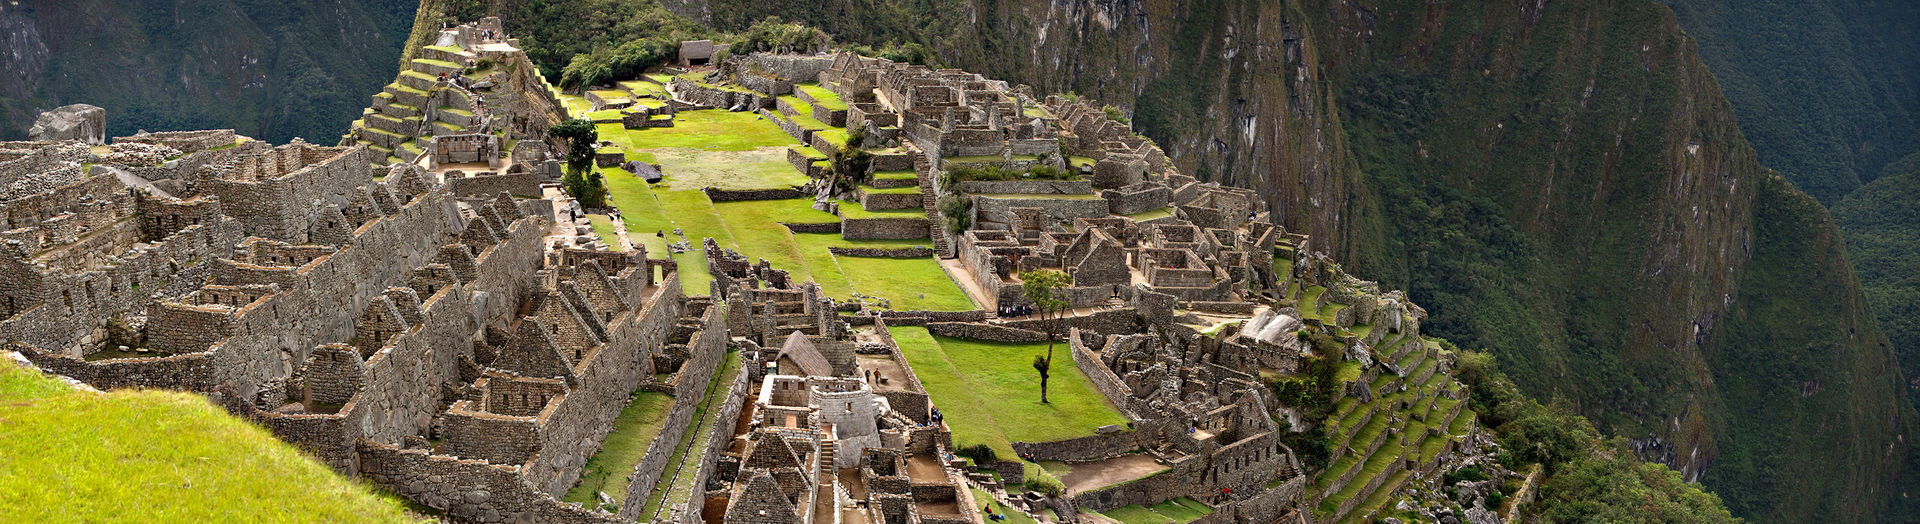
x=1563 y=183
x=271 y=70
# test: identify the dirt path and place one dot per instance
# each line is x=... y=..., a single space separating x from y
x=1094 y=475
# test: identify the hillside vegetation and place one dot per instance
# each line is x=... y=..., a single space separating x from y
x=158 y=456
x=270 y=70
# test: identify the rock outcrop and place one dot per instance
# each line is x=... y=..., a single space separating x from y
x=72 y=122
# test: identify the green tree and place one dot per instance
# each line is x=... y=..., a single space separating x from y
x=1042 y=288
x=588 y=188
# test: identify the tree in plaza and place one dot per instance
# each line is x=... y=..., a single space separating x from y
x=1043 y=288
x=588 y=188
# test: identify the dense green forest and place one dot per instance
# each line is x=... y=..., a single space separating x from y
x=1829 y=93
x=268 y=69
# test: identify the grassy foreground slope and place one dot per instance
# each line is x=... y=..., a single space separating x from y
x=158 y=456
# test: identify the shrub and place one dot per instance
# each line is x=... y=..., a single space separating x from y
x=1046 y=484
x=980 y=454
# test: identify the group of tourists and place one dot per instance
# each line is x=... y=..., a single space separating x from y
x=1018 y=310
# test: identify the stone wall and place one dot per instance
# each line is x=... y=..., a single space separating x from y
x=732 y=195
x=468 y=490
x=521 y=184
x=1103 y=379
x=988 y=332
x=1038 y=187
x=606 y=381
x=999 y=209
x=275 y=194
x=879 y=252
x=797 y=68
x=717 y=441
x=883 y=228
x=1095 y=447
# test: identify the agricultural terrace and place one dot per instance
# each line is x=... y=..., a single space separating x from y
x=743 y=151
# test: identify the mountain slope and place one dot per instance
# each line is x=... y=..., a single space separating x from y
x=1828 y=91
x=271 y=70
x=1562 y=183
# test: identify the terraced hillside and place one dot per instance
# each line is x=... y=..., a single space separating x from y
x=420 y=104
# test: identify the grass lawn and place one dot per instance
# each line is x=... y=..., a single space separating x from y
x=1151 y=214
x=906 y=283
x=633 y=431
x=604 y=114
x=1182 y=509
x=576 y=105
x=675 y=488
x=603 y=226
x=158 y=456
x=1013 y=517
x=996 y=400
x=826 y=97
x=1136 y=515
x=712 y=130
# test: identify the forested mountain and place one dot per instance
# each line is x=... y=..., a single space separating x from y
x=1829 y=93
x=268 y=69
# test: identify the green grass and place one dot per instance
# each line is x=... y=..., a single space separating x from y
x=604 y=114
x=996 y=399
x=632 y=433
x=158 y=456
x=1013 y=517
x=905 y=174
x=603 y=226
x=906 y=283
x=441 y=63
x=908 y=190
x=1182 y=509
x=1151 y=214
x=712 y=130
x=576 y=105
x=1136 y=515
x=826 y=97
x=679 y=488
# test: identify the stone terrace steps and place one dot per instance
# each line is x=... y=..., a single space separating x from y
x=929 y=200
x=1377 y=501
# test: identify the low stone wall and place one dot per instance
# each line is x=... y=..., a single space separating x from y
x=1094 y=447
x=1231 y=308
x=988 y=332
x=1104 y=379
x=883 y=228
x=916 y=409
x=881 y=201
x=882 y=252
x=468 y=490
x=1036 y=187
x=191 y=372
x=522 y=184
x=830 y=227
x=723 y=429
x=1000 y=208
x=735 y=195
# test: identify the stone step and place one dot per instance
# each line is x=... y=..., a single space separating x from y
x=875 y=199
x=418 y=80
x=435 y=68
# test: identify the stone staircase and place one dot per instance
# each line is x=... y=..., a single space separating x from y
x=930 y=200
